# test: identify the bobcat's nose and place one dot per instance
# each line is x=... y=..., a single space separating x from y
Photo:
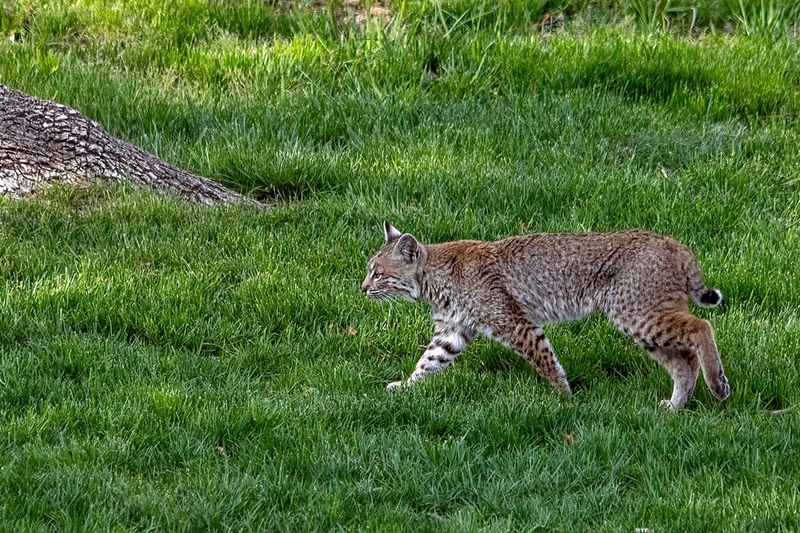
x=364 y=287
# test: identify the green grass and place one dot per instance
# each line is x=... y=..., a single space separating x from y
x=170 y=366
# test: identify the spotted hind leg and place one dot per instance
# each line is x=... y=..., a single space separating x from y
x=667 y=335
x=682 y=366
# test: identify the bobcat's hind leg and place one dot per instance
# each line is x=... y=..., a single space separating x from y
x=681 y=331
x=530 y=343
x=710 y=362
x=682 y=366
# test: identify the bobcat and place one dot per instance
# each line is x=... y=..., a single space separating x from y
x=508 y=288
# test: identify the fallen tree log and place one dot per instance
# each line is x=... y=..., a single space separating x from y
x=44 y=143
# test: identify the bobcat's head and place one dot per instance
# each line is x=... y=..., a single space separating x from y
x=396 y=269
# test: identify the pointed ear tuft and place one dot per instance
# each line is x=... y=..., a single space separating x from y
x=390 y=233
x=407 y=248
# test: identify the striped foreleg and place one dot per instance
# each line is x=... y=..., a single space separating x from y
x=448 y=342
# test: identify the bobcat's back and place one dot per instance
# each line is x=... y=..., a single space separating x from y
x=558 y=276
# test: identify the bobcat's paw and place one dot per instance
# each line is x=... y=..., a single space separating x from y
x=666 y=404
x=563 y=388
x=395 y=385
x=721 y=389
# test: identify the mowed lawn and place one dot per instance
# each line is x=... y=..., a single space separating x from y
x=170 y=366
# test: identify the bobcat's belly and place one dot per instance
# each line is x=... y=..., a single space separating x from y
x=556 y=309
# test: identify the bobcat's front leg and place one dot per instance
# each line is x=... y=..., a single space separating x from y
x=529 y=342
x=448 y=342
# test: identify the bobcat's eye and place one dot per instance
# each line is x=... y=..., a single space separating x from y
x=376 y=276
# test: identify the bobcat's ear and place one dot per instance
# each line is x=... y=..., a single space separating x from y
x=390 y=233
x=407 y=248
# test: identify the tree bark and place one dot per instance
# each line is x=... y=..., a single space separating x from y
x=42 y=143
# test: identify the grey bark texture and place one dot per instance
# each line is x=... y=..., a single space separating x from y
x=43 y=143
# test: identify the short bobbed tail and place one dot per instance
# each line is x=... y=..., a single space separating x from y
x=709 y=298
x=696 y=286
